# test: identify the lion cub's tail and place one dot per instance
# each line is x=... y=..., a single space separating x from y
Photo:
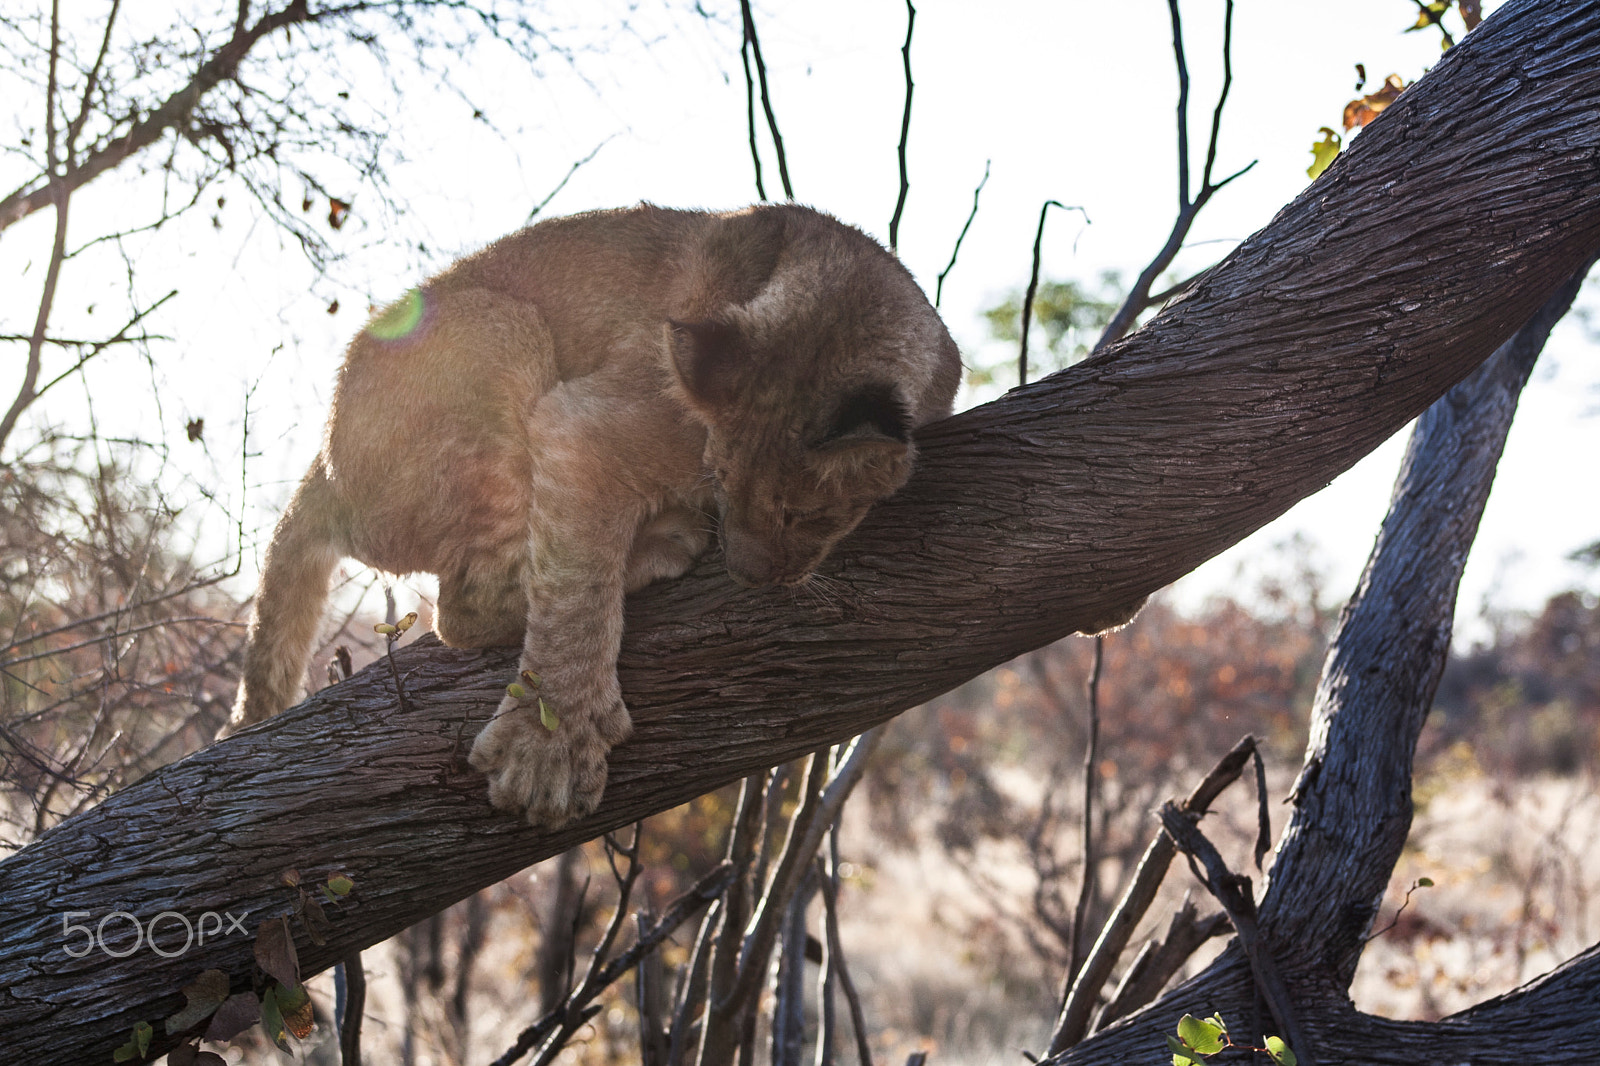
x=288 y=608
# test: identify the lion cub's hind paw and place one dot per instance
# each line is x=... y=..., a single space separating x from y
x=552 y=777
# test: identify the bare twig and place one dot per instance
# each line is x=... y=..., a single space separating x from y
x=573 y=169
x=1086 y=884
x=1159 y=959
x=818 y=808
x=766 y=102
x=938 y=288
x=750 y=111
x=1136 y=899
x=836 y=959
x=747 y=827
x=788 y=987
x=1419 y=883
x=1139 y=299
x=649 y=999
x=59 y=194
x=1033 y=283
x=905 y=130
x=691 y=994
x=579 y=1007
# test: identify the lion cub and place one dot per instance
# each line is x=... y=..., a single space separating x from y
x=549 y=424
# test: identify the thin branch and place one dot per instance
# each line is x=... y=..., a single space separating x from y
x=1139 y=299
x=1233 y=892
x=766 y=99
x=836 y=959
x=938 y=289
x=562 y=184
x=1183 y=105
x=691 y=994
x=905 y=130
x=1136 y=900
x=578 y=1005
x=120 y=337
x=817 y=810
x=750 y=110
x=1086 y=885
x=1159 y=960
x=1033 y=284
x=118 y=634
x=1222 y=97
x=59 y=195
x=747 y=825
x=92 y=82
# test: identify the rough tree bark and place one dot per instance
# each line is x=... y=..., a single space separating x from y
x=1448 y=223
x=1352 y=802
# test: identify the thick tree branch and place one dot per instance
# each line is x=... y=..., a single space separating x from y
x=1454 y=216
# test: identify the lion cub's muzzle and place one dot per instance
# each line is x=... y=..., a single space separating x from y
x=753 y=563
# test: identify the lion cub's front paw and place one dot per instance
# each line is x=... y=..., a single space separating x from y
x=554 y=776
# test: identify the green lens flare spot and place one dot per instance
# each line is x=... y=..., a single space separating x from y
x=400 y=319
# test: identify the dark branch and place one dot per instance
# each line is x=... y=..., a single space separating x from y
x=938 y=289
x=905 y=131
x=766 y=102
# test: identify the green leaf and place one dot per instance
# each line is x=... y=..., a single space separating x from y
x=272 y=1019
x=1280 y=1052
x=340 y=884
x=516 y=691
x=1424 y=882
x=547 y=716
x=1203 y=1035
x=1323 y=152
x=1180 y=1053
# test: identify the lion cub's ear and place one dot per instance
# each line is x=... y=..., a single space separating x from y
x=706 y=356
x=868 y=442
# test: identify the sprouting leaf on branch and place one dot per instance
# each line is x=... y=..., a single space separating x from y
x=1364 y=109
x=1204 y=1035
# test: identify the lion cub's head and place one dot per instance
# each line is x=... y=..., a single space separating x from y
x=809 y=380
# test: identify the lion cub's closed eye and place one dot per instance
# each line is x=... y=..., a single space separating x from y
x=577 y=398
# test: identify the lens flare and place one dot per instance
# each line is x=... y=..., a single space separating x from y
x=401 y=318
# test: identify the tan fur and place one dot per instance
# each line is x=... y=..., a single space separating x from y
x=550 y=423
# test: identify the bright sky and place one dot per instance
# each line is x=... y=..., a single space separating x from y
x=1071 y=100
